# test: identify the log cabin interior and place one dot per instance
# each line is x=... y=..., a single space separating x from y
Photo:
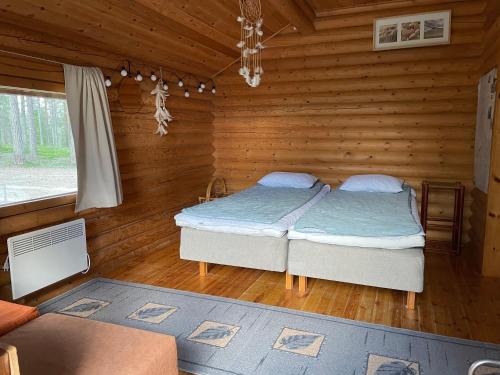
x=249 y=186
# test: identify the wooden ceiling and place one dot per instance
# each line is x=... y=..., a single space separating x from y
x=192 y=36
x=198 y=37
x=328 y=7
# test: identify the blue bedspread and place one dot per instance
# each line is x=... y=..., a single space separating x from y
x=363 y=214
x=258 y=204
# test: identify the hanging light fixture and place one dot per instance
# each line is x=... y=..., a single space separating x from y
x=138 y=76
x=251 y=41
x=107 y=81
x=153 y=77
x=186 y=93
x=181 y=82
x=123 y=72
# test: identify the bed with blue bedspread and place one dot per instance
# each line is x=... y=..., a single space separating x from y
x=247 y=229
x=366 y=238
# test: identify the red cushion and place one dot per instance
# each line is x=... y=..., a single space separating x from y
x=13 y=315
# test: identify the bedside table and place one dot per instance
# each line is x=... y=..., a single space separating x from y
x=456 y=221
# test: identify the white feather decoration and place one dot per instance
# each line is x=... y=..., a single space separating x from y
x=250 y=43
x=162 y=115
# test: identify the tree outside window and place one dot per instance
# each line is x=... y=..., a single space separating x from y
x=37 y=156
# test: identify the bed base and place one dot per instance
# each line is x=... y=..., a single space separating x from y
x=288 y=278
x=391 y=269
x=410 y=296
x=258 y=252
x=203 y=269
x=288 y=281
x=410 y=300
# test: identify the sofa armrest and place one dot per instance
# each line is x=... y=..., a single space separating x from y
x=13 y=315
x=9 y=364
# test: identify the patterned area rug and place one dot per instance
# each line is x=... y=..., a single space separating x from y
x=224 y=336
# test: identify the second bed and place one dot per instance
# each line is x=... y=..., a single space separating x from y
x=365 y=238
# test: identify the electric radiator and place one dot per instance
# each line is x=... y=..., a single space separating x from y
x=43 y=257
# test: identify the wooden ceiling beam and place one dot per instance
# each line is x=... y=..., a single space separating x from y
x=189 y=15
x=295 y=15
x=21 y=39
x=91 y=34
x=31 y=42
x=458 y=8
x=139 y=9
x=492 y=12
x=101 y=21
x=307 y=9
x=109 y=19
x=382 y=5
x=272 y=17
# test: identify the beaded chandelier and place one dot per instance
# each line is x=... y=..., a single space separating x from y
x=251 y=41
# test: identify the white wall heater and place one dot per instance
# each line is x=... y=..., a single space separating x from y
x=43 y=257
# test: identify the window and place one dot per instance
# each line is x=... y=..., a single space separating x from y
x=37 y=156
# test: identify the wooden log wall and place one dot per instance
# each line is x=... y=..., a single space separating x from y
x=331 y=106
x=488 y=206
x=160 y=175
x=489 y=60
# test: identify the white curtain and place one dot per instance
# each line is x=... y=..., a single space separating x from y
x=99 y=183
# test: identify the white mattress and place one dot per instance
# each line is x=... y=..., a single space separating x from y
x=392 y=242
x=277 y=229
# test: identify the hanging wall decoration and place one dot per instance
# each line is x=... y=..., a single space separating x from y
x=251 y=41
x=130 y=95
x=130 y=91
x=162 y=115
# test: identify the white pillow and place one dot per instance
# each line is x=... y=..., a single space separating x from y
x=288 y=179
x=374 y=183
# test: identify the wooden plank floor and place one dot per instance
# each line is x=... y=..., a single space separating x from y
x=456 y=301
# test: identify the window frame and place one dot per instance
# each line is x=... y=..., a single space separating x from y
x=42 y=203
x=37 y=204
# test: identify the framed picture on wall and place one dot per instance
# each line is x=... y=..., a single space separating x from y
x=416 y=30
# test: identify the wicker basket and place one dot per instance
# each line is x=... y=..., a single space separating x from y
x=215 y=189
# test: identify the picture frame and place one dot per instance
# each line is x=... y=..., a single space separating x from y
x=415 y=30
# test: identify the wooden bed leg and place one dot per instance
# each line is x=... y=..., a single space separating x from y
x=302 y=284
x=203 y=269
x=410 y=301
x=288 y=281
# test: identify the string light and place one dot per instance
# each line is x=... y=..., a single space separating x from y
x=183 y=82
